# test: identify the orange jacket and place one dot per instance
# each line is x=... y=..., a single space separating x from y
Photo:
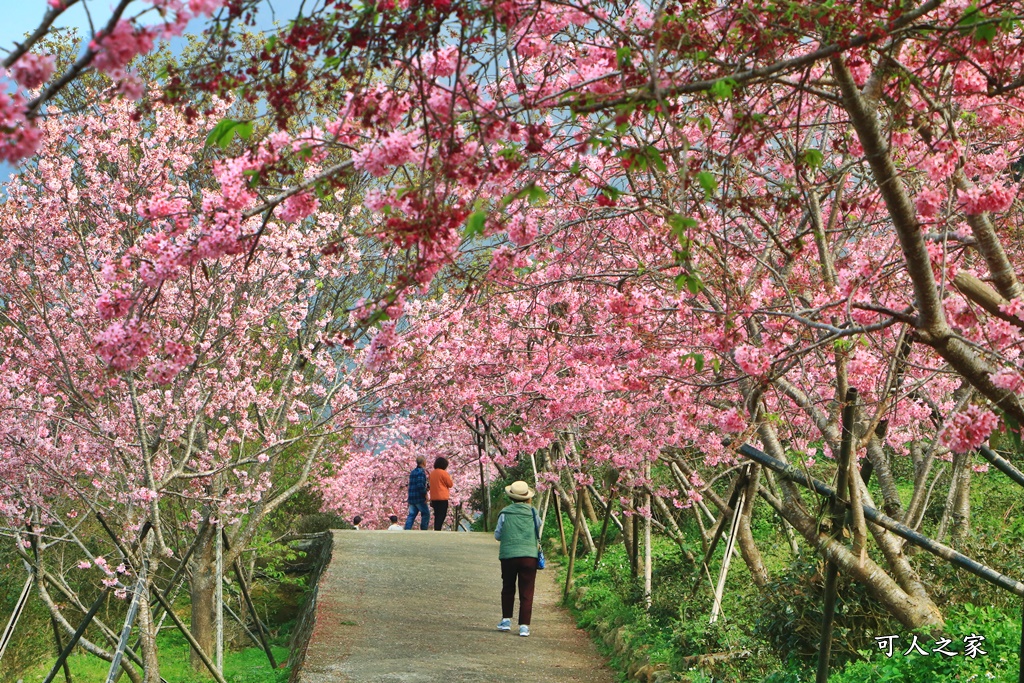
x=440 y=482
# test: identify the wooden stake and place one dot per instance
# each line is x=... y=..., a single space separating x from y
x=218 y=599
x=723 y=573
x=647 y=546
x=575 y=539
x=191 y=639
x=249 y=605
x=838 y=520
x=561 y=524
x=604 y=528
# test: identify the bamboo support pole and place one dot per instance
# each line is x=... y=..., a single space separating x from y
x=19 y=607
x=838 y=519
x=903 y=531
x=601 y=500
x=80 y=631
x=730 y=544
x=60 y=647
x=485 y=492
x=178 y=574
x=1002 y=464
x=126 y=630
x=634 y=555
x=572 y=552
x=728 y=513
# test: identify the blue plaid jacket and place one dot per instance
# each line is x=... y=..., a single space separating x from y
x=418 y=485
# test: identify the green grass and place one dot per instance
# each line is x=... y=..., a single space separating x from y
x=243 y=666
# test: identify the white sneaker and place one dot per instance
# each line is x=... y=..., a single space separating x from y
x=505 y=625
x=524 y=630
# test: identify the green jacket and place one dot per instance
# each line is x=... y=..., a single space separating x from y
x=517 y=531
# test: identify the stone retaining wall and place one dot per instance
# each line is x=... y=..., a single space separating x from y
x=319 y=556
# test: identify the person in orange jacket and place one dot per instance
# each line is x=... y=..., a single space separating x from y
x=440 y=485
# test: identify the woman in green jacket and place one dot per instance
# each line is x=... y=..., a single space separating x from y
x=518 y=530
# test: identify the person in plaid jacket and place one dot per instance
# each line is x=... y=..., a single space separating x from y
x=418 y=496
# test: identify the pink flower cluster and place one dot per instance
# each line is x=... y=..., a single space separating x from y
x=1007 y=379
x=297 y=207
x=977 y=200
x=114 y=303
x=751 y=360
x=164 y=370
x=115 y=50
x=123 y=344
x=32 y=70
x=732 y=422
x=204 y=6
x=928 y=202
x=388 y=152
x=20 y=137
x=968 y=429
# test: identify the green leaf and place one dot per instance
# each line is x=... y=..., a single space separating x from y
x=654 y=156
x=475 y=224
x=532 y=194
x=722 y=88
x=535 y=195
x=708 y=182
x=691 y=282
x=332 y=62
x=812 y=157
x=575 y=169
x=624 y=57
x=224 y=132
x=270 y=44
x=698 y=361
x=253 y=175
x=986 y=32
x=680 y=225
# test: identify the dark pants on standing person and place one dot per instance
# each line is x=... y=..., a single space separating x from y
x=525 y=570
x=440 y=512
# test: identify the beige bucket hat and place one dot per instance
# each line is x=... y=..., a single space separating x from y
x=519 y=490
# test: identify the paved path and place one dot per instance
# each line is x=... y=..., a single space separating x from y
x=422 y=607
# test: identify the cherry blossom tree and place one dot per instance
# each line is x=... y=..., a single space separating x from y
x=241 y=399
x=673 y=222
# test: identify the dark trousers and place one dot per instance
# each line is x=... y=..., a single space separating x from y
x=440 y=512
x=525 y=570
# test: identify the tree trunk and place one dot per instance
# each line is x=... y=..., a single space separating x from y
x=891 y=502
x=959 y=460
x=588 y=507
x=962 y=504
x=203 y=589
x=148 y=631
x=748 y=548
x=913 y=608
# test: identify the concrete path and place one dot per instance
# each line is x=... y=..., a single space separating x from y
x=422 y=607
